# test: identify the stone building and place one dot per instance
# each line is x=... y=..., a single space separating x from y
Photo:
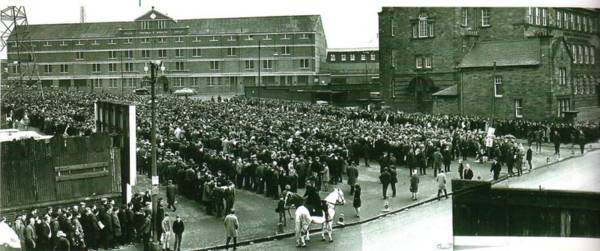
x=533 y=63
x=351 y=66
x=210 y=55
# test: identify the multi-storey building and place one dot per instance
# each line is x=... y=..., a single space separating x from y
x=351 y=66
x=534 y=63
x=210 y=55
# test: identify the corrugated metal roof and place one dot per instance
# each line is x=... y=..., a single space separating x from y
x=526 y=52
x=302 y=23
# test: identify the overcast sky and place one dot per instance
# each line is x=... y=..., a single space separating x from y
x=347 y=23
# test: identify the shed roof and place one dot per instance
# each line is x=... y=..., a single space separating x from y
x=525 y=52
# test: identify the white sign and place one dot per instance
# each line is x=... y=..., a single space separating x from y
x=489 y=141
x=491 y=131
x=155 y=180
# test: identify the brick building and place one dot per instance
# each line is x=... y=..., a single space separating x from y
x=209 y=55
x=351 y=66
x=533 y=63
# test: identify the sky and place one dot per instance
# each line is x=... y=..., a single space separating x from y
x=347 y=23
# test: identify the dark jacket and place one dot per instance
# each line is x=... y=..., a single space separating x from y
x=178 y=227
x=468 y=174
x=385 y=177
x=171 y=193
x=62 y=244
x=116 y=224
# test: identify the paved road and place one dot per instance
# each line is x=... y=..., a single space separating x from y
x=429 y=227
x=582 y=174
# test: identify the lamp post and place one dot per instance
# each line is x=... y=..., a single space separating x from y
x=259 y=62
x=153 y=67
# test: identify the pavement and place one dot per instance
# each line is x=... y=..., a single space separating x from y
x=258 y=219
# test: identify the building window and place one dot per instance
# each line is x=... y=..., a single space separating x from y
x=572 y=21
x=285 y=36
x=97 y=83
x=585 y=27
x=498 y=86
x=47 y=68
x=485 y=17
x=562 y=76
x=162 y=40
x=111 y=41
x=128 y=41
x=213 y=39
x=179 y=66
x=304 y=63
x=231 y=38
x=428 y=62
x=578 y=22
x=213 y=81
x=531 y=15
x=352 y=57
x=564 y=105
x=178 y=53
x=79 y=43
x=586 y=54
x=423 y=26
x=343 y=57
x=363 y=57
x=64 y=68
x=267 y=37
x=574 y=53
x=580 y=54
x=179 y=40
x=128 y=67
x=47 y=43
x=332 y=57
x=372 y=57
x=145 y=53
x=592 y=56
x=392 y=28
x=79 y=55
x=304 y=36
x=196 y=52
x=518 y=108
x=249 y=64
x=162 y=24
x=249 y=37
x=268 y=64
x=558 y=19
x=162 y=53
x=465 y=17
x=113 y=83
x=419 y=62
x=178 y=82
x=197 y=39
x=415 y=31
x=214 y=65
x=95 y=68
x=230 y=51
x=128 y=54
x=145 y=40
x=285 y=50
x=112 y=54
x=112 y=67
x=544 y=16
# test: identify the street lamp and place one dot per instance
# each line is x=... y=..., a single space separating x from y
x=152 y=67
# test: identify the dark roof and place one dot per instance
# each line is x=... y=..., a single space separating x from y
x=450 y=91
x=302 y=23
x=526 y=52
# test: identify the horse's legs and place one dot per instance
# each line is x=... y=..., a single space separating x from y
x=329 y=231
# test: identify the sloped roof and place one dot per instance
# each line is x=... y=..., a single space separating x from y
x=526 y=52
x=157 y=16
x=301 y=23
x=450 y=91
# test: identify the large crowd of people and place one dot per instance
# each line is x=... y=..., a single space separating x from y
x=210 y=148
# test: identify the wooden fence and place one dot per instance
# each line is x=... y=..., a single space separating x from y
x=58 y=170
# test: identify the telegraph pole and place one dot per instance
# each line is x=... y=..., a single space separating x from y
x=259 y=62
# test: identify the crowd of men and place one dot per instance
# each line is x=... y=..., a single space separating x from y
x=210 y=148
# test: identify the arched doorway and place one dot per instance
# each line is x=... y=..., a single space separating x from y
x=420 y=89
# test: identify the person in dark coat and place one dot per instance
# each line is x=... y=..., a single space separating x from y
x=352 y=173
x=461 y=167
x=385 y=179
x=529 y=157
x=414 y=184
x=393 y=179
x=556 y=141
x=467 y=172
x=356 y=202
x=117 y=228
x=107 y=230
x=145 y=231
x=171 y=189
x=495 y=169
x=30 y=235
x=62 y=243
x=178 y=228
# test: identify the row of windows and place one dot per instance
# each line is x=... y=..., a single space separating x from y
x=166 y=39
x=584 y=85
x=352 y=57
x=563 y=20
x=197 y=81
x=179 y=66
x=583 y=54
x=485 y=17
x=163 y=53
x=423 y=62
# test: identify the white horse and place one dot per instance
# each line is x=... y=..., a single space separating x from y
x=304 y=219
x=8 y=238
